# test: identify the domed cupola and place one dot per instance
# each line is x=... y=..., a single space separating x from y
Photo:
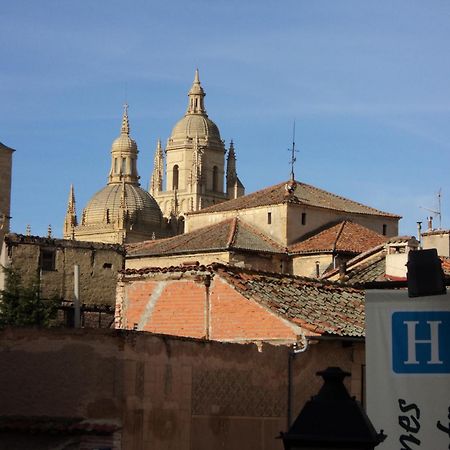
x=124 y=154
x=121 y=211
x=196 y=124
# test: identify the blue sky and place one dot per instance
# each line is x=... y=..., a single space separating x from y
x=366 y=82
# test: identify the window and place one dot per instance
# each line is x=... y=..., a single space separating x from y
x=47 y=261
x=107 y=266
x=116 y=166
x=175 y=177
x=384 y=229
x=303 y=218
x=124 y=166
x=269 y=218
x=215 y=179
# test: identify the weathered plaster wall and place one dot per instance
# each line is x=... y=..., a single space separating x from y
x=99 y=266
x=164 y=392
x=5 y=189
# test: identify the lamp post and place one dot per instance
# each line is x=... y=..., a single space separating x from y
x=332 y=420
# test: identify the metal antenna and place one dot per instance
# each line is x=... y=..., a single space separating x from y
x=293 y=152
x=438 y=212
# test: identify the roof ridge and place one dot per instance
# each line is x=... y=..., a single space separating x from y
x=339 y=235
x=233 y=232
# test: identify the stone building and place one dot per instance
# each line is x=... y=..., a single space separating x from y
x=122 y=211
x=52 y=261
x=5 y=188
x=194 y=164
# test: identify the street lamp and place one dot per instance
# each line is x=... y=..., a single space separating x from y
x=332 y=420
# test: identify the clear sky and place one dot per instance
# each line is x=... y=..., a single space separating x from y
x=367 y=82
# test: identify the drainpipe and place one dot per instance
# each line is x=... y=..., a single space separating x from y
x=292 y=352
x=76 y=296
x=207 y=282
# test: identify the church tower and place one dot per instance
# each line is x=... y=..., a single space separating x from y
x=194 y=163
x=121 y=212
x=5 y=189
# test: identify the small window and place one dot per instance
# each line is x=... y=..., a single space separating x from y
x=303 y=218
x=175 y=177
x=47 y=260
x=107 y=266
x=384 y=229
x=269 y=218
x=215 y=179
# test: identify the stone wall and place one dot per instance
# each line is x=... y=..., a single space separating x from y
x=5 y=188
x=99 y=265
x=163 y=392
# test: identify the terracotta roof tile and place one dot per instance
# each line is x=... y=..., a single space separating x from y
x=304 y=194
x=344 y=236
x=231 y=234
x=320 y=307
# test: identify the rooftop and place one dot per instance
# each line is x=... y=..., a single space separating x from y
x=303 y=194
x=345 y=236
x=231 y=234
x=322 y=308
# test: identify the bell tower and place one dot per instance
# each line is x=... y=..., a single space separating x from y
x=195 y=172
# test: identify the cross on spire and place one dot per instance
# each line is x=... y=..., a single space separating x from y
x=293 y=152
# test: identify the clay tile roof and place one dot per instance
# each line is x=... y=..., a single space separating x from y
x=344 y=236
x=231 y=234
x=304 y=194
x=322 y=308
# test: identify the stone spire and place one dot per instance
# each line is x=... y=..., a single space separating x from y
x=196 y=97
x=156 y=183
x=70 y=222
x=235 y=188
x=124 y=155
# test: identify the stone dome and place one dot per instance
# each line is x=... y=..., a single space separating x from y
x=192 y=125
x=104 y=207
x=124 y=144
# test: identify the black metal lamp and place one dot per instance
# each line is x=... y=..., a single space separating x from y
x=332 y=420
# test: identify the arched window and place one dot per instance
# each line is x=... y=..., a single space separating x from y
x=175 y=177
x=215 y=179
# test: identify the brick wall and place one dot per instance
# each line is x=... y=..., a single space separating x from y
x=162 y=391
x=186 y=307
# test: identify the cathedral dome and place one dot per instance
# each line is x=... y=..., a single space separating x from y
x=105 y=207
x=124 y=144
x=193 y=125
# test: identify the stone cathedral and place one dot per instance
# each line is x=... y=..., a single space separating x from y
x=192 y=168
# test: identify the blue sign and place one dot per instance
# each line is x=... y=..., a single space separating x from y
x=421 y=342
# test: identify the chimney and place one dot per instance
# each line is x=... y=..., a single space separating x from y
x=419 y=232
x=397 y=250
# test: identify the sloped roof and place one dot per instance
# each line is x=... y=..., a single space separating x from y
x=323 y=308
x=319 y=307
x=304 y=194
x=231 y=234
x=345 y=236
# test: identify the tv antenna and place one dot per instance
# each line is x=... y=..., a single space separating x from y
x=293 y=152
x=437 y=212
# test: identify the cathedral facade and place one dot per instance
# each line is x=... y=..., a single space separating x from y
x=192 y=168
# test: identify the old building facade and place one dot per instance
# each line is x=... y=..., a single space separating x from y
x=52 y=261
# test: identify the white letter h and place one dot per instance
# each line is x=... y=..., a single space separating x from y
x=433 y=341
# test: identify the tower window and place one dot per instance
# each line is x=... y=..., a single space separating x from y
x=215 y=180
x=384 y=229
x=175 y=177
x=124 y=165
x=269 y=218
x=115 y=165
x=303 y=218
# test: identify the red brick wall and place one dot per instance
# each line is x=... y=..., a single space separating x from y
x=181 y=308
x=234 y=317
